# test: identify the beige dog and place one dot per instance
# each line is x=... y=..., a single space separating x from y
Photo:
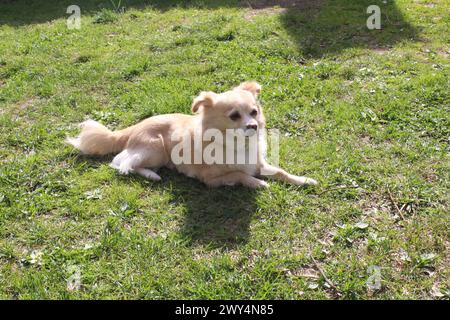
x=158 y=141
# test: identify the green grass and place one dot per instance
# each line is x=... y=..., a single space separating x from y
x=368 y=110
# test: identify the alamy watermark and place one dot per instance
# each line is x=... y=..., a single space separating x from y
x=74 y=279
x=232 y=147
x=374 y=20
x=74 y=20
x=374 y=281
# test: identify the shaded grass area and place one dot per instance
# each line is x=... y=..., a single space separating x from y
x=364 y=112
x=316 y=26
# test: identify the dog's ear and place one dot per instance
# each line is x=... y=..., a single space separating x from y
x=205 y=99
x=252 y=86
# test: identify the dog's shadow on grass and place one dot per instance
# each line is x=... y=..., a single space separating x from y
x=218 y=217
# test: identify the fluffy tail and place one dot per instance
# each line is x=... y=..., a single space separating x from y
x=96 y=139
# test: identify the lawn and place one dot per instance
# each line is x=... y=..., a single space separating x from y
x=364 y=112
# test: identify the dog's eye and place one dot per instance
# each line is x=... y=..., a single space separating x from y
x=254 y=113
x=235 y=116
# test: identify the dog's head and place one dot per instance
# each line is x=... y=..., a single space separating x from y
x=234 y=109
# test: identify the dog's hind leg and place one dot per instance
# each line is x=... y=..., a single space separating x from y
x=127 y=161
x=138 y=157
x=119 y=159
x=130 y=161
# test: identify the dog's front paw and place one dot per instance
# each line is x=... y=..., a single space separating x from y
x=300 y=181
x=258 y=184
x=263 y=184
x=311 y=182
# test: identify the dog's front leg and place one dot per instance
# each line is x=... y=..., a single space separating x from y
x=234 y=178
x=272 y=172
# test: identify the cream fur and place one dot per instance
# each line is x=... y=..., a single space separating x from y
x=147 y=145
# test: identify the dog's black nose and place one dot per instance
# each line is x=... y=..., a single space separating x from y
x=252 y=126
